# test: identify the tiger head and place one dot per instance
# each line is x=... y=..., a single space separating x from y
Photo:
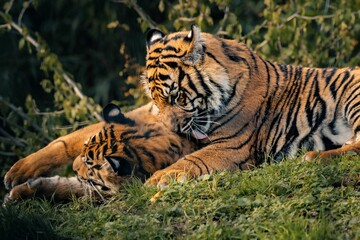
x=184 y=78
x=127 y=148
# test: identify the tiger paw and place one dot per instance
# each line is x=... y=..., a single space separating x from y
x=163 y=177
x=24 y=170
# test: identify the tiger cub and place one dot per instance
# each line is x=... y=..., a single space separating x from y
x=135 y=144
x=244 y=109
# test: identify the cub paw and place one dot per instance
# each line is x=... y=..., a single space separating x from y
x=19 y=192
x=163 y=177
x=311 y=156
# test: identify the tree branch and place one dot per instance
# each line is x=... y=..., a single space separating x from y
x=66 y=77
x=133 y=4
x=223 y=21
x=24 y=116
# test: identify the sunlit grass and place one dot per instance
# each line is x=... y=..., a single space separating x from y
x=289 y=200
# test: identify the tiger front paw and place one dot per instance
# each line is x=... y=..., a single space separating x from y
x=23 y=170
x=163 y=177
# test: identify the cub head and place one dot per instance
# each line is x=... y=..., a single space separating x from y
x=185 y=80
x=127 y=148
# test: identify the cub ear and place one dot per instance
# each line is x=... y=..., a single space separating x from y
x=112 y=114
x=195 y=51
x=153 y=36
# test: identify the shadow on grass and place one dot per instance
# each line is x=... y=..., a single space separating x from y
x=17 y=223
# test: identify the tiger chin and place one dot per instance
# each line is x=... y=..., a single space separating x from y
x=104 y=156
x=244 y=109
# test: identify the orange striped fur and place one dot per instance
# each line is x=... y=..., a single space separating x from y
x=245 y=109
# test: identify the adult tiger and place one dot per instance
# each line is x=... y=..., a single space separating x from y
x=135 y=144
x=246 y=109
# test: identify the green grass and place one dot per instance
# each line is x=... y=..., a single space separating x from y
x=289 y=200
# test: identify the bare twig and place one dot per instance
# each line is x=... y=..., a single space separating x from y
x=24 y=116
x=13 y=140
x=5 y=26
x=256 y=29
x=23 y=10
x=185 y=19
x=133 y=4
x=7 y=10
x=84 y=123
x=223 y=21
x=296 y=15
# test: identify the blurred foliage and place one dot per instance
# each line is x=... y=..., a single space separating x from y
x=61 y=60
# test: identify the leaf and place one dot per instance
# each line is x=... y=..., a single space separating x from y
x=161 y=6
x=21 y=43
x=112 y=24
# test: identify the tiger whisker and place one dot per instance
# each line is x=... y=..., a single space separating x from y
x=98 y=192
x=207 y=121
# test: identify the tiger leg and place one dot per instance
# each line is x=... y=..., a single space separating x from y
x=56 y=154
x=57 y=188
x=351 y=113
x=203 y=161
x=353 y=146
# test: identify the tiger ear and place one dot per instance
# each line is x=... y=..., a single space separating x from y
x=195 y=51
x=153 y=36
x=112 y=114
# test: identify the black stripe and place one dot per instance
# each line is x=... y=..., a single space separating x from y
x=193 y=162
x=254 y=60
x=163 y=77
x=357 y=111
x=138 y=159
x=202 y=82
x=291 y=72
x=328 y=78
x=151 y=156
x=237 y=133
x=171 y=48
x=346 y=84
x=220 y=89
x=171 y=64
x=229 y=53
x=155 y=66
x=241 y=145
x=351 y=98
x=200 y=160
x=192 y=85
x=357 y=129
x=267 y=77
x=333 y=88
x=215 y=59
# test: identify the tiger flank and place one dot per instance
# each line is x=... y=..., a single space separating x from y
x=103 y=155
x=246 y=110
